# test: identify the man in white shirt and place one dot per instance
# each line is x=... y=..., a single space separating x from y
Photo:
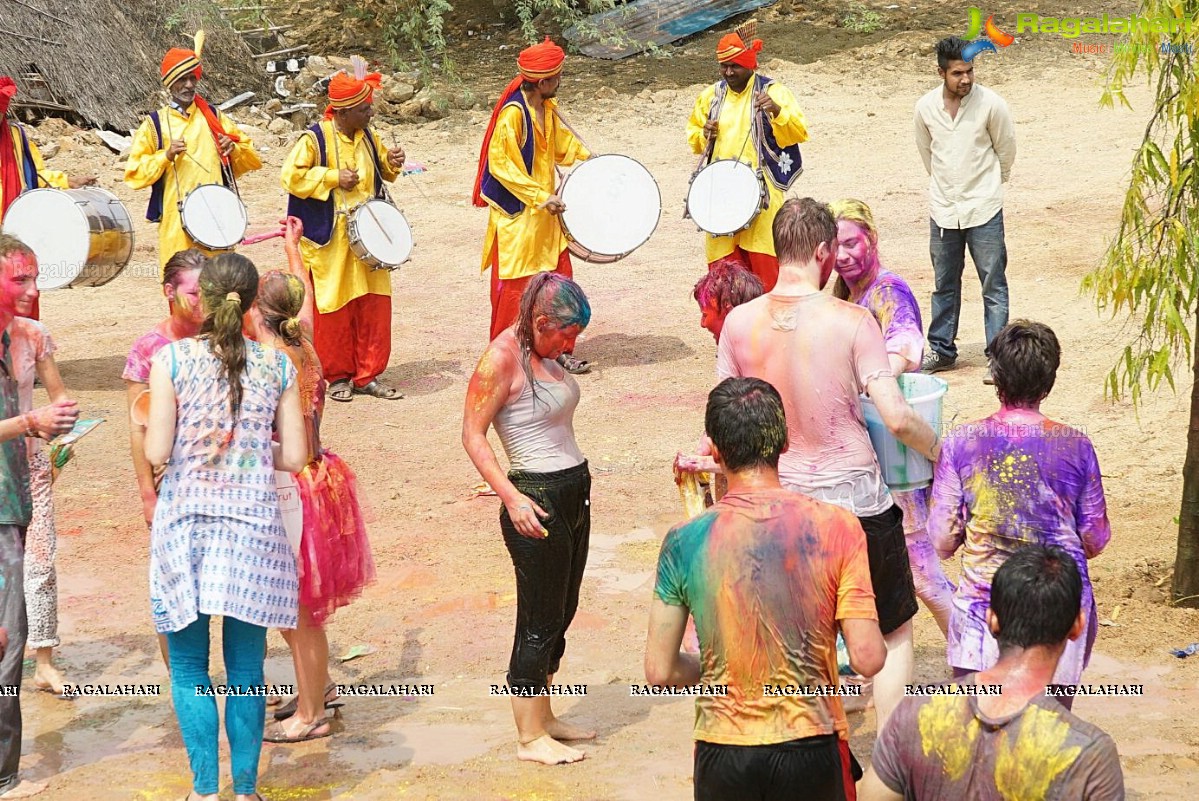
x=965 y=136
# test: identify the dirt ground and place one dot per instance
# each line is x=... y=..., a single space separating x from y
x=441 y=612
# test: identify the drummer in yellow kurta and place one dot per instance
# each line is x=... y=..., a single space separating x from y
x=726 y=111
x=516 y=179
x=180 y=147
x=337 y=165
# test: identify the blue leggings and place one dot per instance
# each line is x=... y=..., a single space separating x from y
x=244 y=648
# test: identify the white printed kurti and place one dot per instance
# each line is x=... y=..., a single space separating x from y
x=217 y=544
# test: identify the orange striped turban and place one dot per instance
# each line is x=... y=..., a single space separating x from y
x=541 y=61
x=346 y=91
x=732 y=50
x=179 y=62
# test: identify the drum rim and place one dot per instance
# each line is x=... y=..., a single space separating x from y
x=752 y=217
x=566 y=228
x=245 y=216
x=352 y=228
x=76 y=209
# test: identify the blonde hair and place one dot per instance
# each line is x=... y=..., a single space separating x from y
x=855 y=211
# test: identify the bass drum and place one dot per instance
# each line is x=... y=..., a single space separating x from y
x=379 y=234
x=612 y=208
x=726 y=197
x=81 y=237
x=214 y=217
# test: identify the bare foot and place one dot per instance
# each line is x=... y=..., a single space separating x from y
x=548 y=751
x=47 y=678
x=25 y=789
x=561 y=730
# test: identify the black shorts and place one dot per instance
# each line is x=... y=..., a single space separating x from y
x=890 y=572
x=811 y=769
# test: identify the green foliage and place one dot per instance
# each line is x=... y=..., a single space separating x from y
x=860 y=19
x=560 y=13
x=1150 y=270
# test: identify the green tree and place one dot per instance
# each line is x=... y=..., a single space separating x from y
x=1151 y=270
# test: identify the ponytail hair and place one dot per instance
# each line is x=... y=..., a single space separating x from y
x=228 y=287
x=280 y=300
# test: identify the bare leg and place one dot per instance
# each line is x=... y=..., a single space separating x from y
x=310 y=656
x=534 y=743
x=889 y=683
x=46 y=676
x=164 y=649
x=560 y=730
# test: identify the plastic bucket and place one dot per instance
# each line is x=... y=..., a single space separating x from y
x=904 y=468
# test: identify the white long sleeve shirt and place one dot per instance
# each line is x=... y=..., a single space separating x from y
x=968 y=157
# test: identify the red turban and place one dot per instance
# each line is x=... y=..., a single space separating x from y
x=179 y=63
x=10 y=170
x=536 y=63
x=732 y=50
x=346 y=91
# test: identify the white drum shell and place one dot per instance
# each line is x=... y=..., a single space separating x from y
x=379 y=234
x=612 y=208
x=725 y=197
x=214 y=217
x=81 y=237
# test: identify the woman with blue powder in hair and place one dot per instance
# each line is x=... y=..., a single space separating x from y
x=525 y=394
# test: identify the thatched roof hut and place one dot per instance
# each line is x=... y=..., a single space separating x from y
x=98 y=60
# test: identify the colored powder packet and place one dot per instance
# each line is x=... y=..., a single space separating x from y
x=356 y=651
x=1183 y=653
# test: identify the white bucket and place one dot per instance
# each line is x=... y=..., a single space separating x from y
x=904 y=468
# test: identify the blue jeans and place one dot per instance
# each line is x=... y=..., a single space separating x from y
x=244 y=649
x=947 y=247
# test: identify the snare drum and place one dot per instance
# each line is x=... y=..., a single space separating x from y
x=726 y=197
x=612 y=208
x=214 y=217
x=81 y=237
x=379 y=234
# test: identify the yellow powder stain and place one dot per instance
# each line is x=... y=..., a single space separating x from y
x=997 y=490
x=941 y=733
x=1025 y=770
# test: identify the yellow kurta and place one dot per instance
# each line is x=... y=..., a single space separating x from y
x=55 y=179
x=532 y=241
x=200 y=165
x=338 y=276
x=733 y=142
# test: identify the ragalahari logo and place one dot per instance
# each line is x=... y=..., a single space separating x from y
x=993 y=37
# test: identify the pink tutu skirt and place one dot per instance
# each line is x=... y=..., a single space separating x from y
x=335 y=557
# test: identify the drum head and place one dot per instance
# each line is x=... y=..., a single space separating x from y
x=56 y=229
x=214 y=216
x=612 y=205
x=724 y=197
x=383 y=232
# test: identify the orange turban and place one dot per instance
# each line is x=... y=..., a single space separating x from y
x=536 y=63
x=732 y=50
x=178 y=63
x=346 y=91
x=540 y=61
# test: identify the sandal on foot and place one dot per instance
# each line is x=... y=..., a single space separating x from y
x=277 y=732
x=342 y=390
x=287 y=710
x=574 y=366
x=377 y=389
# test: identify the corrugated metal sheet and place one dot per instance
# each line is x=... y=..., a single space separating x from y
x=630 y=29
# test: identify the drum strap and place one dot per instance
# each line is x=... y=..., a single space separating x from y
x=318 y=215
x=781 y=165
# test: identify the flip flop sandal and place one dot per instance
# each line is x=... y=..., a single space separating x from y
x=342 y=390
x=378 y=390
x=574 y=366
x=277 y=732
x=287 y=710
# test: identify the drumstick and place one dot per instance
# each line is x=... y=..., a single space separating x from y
x=379 y=224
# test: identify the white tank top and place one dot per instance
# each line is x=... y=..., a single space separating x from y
x=537 y=429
